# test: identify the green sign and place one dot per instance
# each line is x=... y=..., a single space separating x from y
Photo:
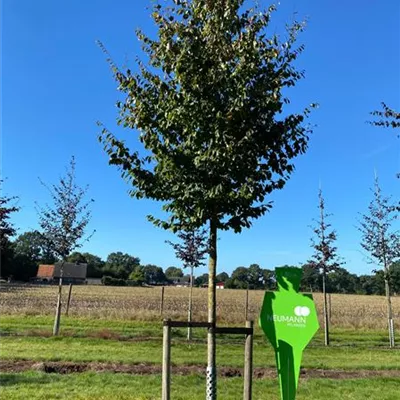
x=289 y=320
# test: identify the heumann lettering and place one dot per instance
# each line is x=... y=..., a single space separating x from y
x=288 y=319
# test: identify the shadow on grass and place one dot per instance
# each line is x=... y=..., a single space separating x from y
x=27 y=379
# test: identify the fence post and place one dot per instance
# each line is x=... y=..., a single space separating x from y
x=248 y=363
x=69 y=299
x=166 y=361
x=246 y=307
x=162 y=301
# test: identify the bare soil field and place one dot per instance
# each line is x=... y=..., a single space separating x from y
x=60 y=367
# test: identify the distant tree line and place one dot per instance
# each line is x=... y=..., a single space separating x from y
x=27 y=251
x=338 y=281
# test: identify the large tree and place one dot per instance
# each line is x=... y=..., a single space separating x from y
x=310 y=279
x=63 y=223
x=381 y=241
x=239 y=278
x=173 y=272
x=29 y=251
x=154 y=275
x=325 y=258
x=8 y=206
x=95 y=264
x=32 y=245
x=209 y=110
x=342 y=281
x=394 y=274
x=120 y=265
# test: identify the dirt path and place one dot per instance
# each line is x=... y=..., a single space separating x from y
x=148 y=369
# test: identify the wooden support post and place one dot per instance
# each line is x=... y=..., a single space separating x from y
x=330 y=307
x=56 y=326
x=162 y=301
x=248 y=363
x=166 y=361
x=69 y=299
x=189 y=332
x=246 y=307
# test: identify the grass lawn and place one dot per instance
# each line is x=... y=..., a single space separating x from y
x=228 y=354
x=126 y=329
x=108 y=386
x=134 y=342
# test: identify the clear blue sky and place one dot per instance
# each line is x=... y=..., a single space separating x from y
x=56 y=85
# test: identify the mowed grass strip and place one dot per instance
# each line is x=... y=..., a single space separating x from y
x=106 y=386
x=128 y=329
x=228 y=354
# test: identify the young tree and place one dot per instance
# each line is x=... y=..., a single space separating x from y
x=210 y=112
x=381 y=242
x=63 y=224
x=325 y=258
x=7 y=230
x=191 y=251
x=387 y=117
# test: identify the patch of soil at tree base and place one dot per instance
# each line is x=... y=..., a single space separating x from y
x=149 y=369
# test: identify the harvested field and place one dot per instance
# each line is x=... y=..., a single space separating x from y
x=133 y=303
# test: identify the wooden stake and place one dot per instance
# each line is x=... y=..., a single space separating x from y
x=189 y=332
x=56 y=326
x=246 y=306
x=330 y=307
x=166 y=361
x=248 y=364
x=69 y=299
x=162 y=301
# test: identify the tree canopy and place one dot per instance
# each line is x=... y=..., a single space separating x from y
x=120 y=265
x=173 y=272
x=209 y=111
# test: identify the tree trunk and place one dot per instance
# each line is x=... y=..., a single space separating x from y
x=326 y=318
x=189 y=333
x=56 y=326
x=390 y=314
x=212 y=267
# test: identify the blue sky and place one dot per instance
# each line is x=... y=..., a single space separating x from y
x=56 y=85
